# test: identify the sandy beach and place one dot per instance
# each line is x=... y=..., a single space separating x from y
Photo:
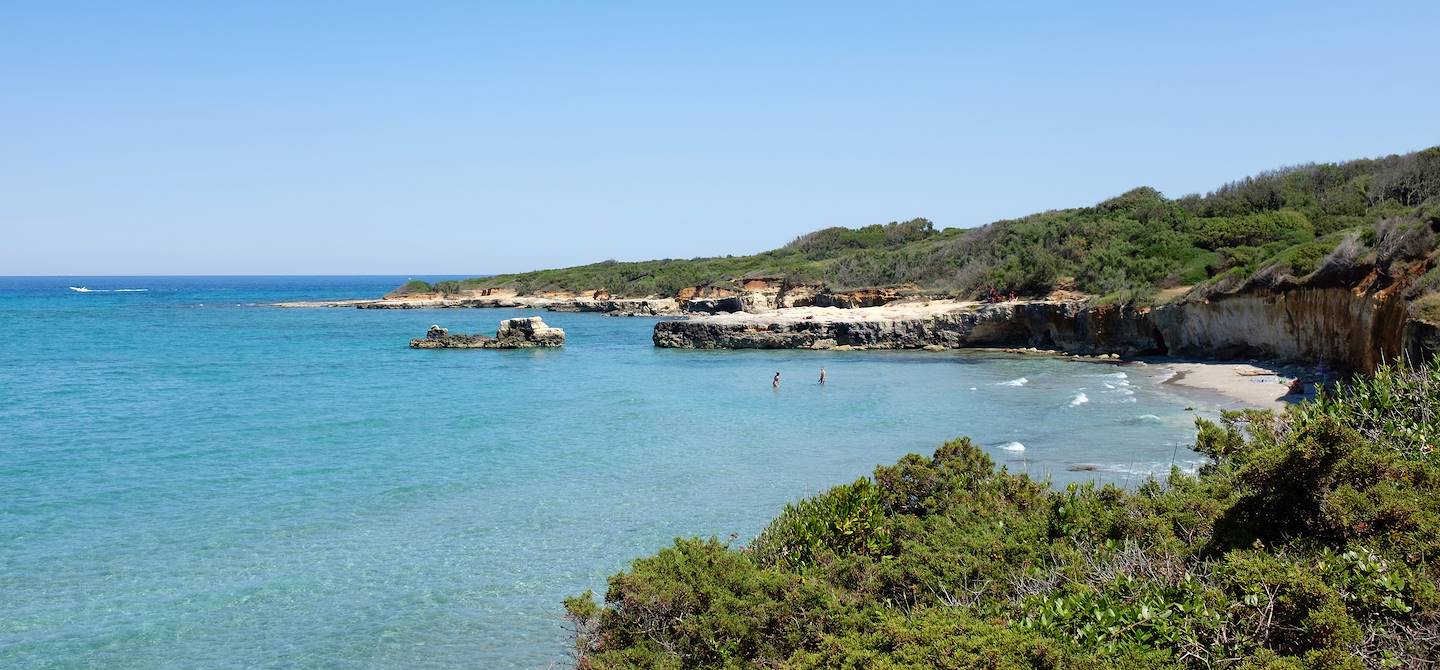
x=1258 y=385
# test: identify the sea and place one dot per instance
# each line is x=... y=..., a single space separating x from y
x=192 y=478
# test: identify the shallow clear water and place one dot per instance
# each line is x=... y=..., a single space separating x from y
x=190 y=479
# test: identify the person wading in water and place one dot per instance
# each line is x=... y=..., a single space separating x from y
x=822 y=376
x=775 y=383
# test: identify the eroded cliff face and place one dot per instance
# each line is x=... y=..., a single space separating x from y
x=1351 y=328
x=1421 y=341
x=1067 y=326
x=1346 y=327
x=871 y=297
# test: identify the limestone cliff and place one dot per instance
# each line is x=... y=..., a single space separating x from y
x=1070 y=326
x=1341 y=326
x=1355 y=327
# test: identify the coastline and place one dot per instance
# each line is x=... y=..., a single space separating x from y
x=1240 y=384
x=608 y=306
x=1250 y=384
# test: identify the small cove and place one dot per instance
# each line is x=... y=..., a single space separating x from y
x=196 y=480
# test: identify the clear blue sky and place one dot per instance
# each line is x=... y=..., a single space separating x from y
x=430 y=138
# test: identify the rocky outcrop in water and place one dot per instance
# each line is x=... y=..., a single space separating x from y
x=526 y=333
x=725 y=305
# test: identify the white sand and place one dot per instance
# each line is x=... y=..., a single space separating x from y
x=1250 y=385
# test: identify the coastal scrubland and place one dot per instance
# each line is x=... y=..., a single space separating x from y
x=1287 y=224
x=1310 y=540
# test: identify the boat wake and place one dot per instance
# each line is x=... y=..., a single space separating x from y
x=83 y=289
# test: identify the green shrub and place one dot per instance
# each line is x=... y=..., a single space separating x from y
x=1311 y=539
x=941 y=638
x=845 y=520
x=699 y=604
x=413 y=286
x=1136 y=241
x=1254 y=230
x=1427 y=308
x=1302 y=259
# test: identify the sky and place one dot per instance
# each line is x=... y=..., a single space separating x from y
x=473 y=138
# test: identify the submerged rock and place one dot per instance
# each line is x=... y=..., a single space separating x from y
x=523 y=333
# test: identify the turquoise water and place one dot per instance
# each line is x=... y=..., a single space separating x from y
x=190 y=479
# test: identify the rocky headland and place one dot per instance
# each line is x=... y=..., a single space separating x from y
x=526 y=333
x=1351 y=321
x=1352 y=327
x=1335 y=265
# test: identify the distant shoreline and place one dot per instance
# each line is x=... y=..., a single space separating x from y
x=1237 y=382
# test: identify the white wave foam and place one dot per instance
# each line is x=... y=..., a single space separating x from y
x=1011 y=446
x=84 y=289
x=1018 y=381
x=1143 y=418
x=1079 y=399
x=1187 y=466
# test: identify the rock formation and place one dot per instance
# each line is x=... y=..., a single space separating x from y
x=1349 y=328
x=1070 y=326
x=1350 y=315
x=523 y=333
x=870 y=297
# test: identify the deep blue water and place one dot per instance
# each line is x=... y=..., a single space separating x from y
x=192 y=479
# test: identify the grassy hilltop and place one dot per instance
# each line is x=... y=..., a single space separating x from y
x=1282 y=223
x=1312 y=541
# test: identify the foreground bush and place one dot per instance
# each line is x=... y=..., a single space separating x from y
x=1312 y=540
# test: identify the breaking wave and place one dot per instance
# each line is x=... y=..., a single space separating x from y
x=1143 y=418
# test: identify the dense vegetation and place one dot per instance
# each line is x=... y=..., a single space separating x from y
x=1312 y=540
x=1283 y=223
